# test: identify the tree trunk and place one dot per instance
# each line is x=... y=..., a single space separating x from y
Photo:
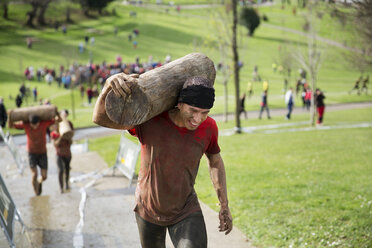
x=157 y=90
x=226 y=99
x=236 y=67
x=41 y=16
x=31 y=15
x=5 y=8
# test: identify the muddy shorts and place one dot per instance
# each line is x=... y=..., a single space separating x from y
x=40 y=160
x=188 y=233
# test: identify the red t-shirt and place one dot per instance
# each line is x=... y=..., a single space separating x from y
x=170 y=158
x=36 y=140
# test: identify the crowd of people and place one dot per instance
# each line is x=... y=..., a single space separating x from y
x=301 y=85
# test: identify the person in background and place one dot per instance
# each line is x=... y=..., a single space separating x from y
x=3 y=114
x=242 y=106
x=63 y=149
x=289 y=101
x=18 y=101
x=36 y=146
x=320 y=106
x=264 y=105
x=364 y=85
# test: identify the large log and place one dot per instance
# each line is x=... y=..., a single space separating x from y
x=45 y=112
x=157 y=90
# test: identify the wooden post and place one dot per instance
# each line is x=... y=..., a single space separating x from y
x=157 y=90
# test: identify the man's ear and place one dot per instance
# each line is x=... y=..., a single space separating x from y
x=179 y=105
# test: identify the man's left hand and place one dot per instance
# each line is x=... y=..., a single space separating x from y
x=225 y=220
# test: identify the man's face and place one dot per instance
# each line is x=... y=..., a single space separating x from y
x=192 y=116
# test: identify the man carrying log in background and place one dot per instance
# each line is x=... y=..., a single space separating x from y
x=62 y=144
x=36 y=146
x=172 y=144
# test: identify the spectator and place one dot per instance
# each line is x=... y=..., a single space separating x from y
x=18 y=101
x=89 y=95
x=242 y=106
x=264 y=105
x=320 y=106
x=22 y=90
x=250 y=89
x=289 y=101
x=29 y=42
x=308 y=95
x=34 y=92
x=63 y=149
x=364 y=86
x=3 y=113
x=82 y=91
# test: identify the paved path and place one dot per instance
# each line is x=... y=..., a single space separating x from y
x=94 y=132
x=106 y=218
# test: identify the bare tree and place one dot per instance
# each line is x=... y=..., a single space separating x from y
x=220 y=23
x=285 y=59
x=312 y=60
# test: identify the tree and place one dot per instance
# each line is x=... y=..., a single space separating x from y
x=96 y=5
x=42 y=9
x=250 y=19
x=5 y=3
x=38 y=9
x=312 y=61
x=360 y=16
x=364 y=21
x=236 y=66
x=286 y=61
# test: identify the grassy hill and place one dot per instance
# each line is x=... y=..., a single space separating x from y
x=301 y=189
x=161 y=33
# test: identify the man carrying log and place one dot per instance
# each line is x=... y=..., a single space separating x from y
x=172 y=144
x=62 y=144
x=36 y=146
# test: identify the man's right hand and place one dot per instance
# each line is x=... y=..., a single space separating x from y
x=122 y=83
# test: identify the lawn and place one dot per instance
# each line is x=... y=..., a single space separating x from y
x=176 y=34
x=293 y=189
x=288 y=189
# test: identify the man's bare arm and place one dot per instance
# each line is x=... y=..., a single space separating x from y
x=218 y=177
x=120 y=84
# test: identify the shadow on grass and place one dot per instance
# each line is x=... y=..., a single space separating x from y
x=280 y=40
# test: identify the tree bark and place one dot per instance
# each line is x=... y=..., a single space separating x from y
x=41 y=16
x=5 y=8
x=157 y=90
x=236 y=67
x=31 y=15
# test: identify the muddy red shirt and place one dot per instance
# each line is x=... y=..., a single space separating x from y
x=170 y=158
x=36 y=140
x=63 y=148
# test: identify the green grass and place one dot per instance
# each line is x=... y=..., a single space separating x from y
x=174 y=34
x=303 y=189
